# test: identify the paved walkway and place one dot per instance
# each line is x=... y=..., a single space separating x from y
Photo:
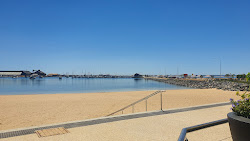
x=157 y=126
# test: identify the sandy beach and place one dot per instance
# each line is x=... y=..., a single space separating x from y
x=19 y=111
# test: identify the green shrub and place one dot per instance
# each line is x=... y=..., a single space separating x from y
x=241 y=76
x=242 y=107
x=248 y=77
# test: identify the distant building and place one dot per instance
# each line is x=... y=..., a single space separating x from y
x=39 y=72
x=172 y=76
x=53 y=75
x=194 y=76
x=160 y=76
x=15 y=73
x=208 y=76
x=182 y=76
x=137 y=76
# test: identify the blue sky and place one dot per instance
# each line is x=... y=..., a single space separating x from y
x=125 y=36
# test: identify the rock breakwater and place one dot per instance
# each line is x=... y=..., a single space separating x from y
x=206 y=84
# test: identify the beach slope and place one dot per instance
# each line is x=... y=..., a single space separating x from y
x=19 y=111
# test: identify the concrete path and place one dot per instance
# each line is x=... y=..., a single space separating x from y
x=157 y=126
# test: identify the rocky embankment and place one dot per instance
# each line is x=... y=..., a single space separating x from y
x=206 y=84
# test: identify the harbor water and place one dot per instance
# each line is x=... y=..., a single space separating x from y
x=53 y=85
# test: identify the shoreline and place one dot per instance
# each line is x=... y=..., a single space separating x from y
x=91 y=92
x=18 y=111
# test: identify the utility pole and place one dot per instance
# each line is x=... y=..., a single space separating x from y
x=220 y=67
x=177 y=70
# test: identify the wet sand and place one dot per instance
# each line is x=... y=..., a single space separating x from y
x=18 y=111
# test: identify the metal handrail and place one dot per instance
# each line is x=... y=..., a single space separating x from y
x=184 y=131
x=145 y=98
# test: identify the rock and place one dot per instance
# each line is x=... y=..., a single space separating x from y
x=205 y=84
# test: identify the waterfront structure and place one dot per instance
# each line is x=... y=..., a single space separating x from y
x=172 y=76
x=137 y=76
x=53 y=75
x=22 y=73
x=185 y=75
x=208 y=76
x=39 y=72
x=15 y=73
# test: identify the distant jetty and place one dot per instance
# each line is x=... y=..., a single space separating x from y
x=40 y=74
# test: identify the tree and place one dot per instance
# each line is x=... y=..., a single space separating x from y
x=248 y=76
x=233 y=75
x=227 y=75
x=241 y=76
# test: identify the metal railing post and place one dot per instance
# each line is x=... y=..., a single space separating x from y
x=146 y=105
x=161 y=100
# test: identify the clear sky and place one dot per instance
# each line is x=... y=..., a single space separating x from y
x=125 y=36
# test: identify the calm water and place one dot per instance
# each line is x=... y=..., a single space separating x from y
x=18 y=86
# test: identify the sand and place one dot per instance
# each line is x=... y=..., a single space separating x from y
x=18 y=111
